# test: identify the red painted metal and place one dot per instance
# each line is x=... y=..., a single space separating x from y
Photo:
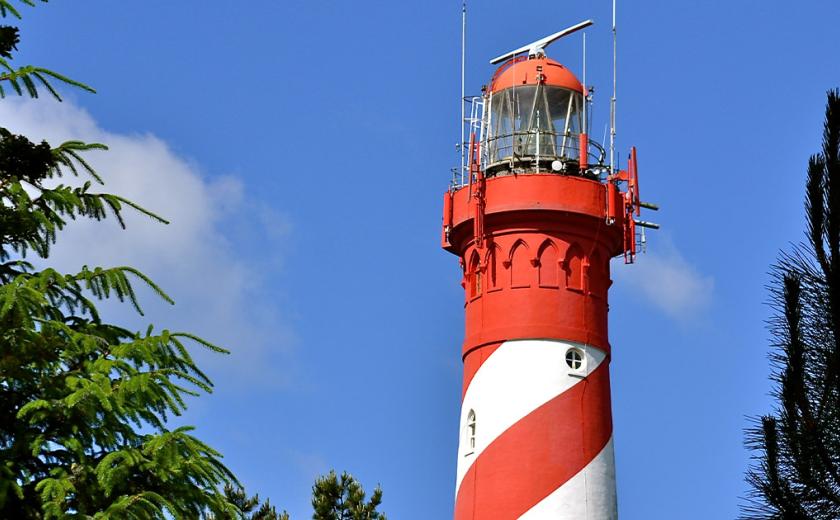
x=566 y=300
x=612 y=202
x=634 y=176
x=632 y=206
x=477 y=180
x=584 y=152
x=519 y=71
x=447 y=219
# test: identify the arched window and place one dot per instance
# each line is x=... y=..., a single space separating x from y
x=469 y=434
x=520 y=266
x=474 y=275
x=574 y=268
x=548 y=265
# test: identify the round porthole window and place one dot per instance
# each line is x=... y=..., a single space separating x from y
x=574 y=358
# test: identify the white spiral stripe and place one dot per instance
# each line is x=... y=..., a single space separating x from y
x=516 y=379
x=589 y=495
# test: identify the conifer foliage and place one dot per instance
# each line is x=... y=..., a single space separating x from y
x=343 y=498
x=333 y=498
x=84 y=404
x=797 y=471
x=247 y=508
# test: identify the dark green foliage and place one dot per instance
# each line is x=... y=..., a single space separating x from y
x=797 y=473
x=84 y=404
x=333 y=498
x=7 y=7
x=36 y=212
x=342 y=498
x=248 y=508
x=9 y=38
x=27 y=78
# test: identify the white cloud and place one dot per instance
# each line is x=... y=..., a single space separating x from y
x=218 y=291
x=669 y=282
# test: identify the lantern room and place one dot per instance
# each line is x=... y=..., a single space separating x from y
x=535 y=120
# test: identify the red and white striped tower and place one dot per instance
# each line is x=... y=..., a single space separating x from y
x=535 y=221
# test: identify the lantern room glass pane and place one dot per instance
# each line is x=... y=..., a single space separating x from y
x=534 y=121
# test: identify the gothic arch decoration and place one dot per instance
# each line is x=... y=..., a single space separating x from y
x=548 y=264
x=597 y=275
x=519 y=263
x=493 y=272
x=573 y=265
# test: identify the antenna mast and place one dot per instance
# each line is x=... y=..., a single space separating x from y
x=585 y=130
x=612 y=100
x=463 y=81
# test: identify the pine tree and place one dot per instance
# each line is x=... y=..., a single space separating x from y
x=797 y=470
x=343 y=498
x=333 y=498
x=84 y=404
x=247 y=508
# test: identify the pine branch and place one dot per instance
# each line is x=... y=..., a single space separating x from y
x=7 y=8
x=25 y=74
x=68 y=153
x=85 y=404
x=797 y=474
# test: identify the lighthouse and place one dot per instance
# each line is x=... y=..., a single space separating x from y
x=534 y=216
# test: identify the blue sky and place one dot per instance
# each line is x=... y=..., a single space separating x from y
x=301 y=149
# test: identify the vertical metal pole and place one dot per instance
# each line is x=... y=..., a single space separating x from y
x=583 y=144
x=463 y=80
x=538 y=137
x=585 y=88
x=612 y=101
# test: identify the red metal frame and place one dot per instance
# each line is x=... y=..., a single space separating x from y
x=477 y=179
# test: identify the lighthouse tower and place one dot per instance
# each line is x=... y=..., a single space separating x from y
x=534 y=218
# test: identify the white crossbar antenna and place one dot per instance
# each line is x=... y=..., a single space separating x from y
x=538 y=46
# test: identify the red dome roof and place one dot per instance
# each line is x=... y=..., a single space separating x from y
x=524 y=72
